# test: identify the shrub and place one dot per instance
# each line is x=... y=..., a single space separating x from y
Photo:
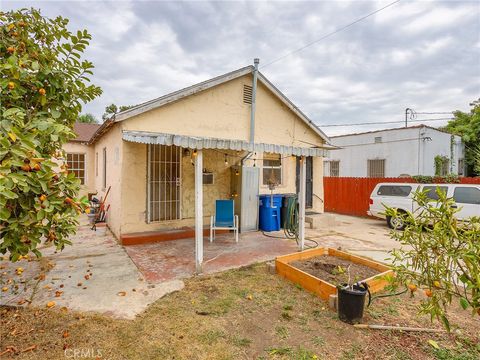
x=439 y=255
x=43 y=84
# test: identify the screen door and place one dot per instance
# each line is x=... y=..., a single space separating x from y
x=164 y=174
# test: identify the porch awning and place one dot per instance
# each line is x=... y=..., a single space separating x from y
x=194 y=142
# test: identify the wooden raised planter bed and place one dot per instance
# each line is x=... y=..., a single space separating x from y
x=323 y=288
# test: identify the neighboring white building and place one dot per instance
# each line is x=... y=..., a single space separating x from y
x=395 y=152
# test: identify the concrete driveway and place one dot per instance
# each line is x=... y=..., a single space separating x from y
x=363 y=236
x=95 y=274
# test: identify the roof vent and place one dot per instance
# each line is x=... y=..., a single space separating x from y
x=247 y=94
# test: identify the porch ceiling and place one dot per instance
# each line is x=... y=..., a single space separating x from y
x=191 y=142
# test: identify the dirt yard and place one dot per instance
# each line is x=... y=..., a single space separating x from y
x=239 y=314
x=334 y=270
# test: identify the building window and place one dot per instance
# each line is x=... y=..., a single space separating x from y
x=96 y=164
x=376 y=168
x=378 y=139
x=76 y=164
x=461 y=167
x=104 y=168
x=444 y=167
x=272 y=169
x=335 y=168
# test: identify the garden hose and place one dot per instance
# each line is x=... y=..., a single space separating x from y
x=386 y=295
x=290 y=226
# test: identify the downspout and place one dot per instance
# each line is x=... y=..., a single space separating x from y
x=256 y=61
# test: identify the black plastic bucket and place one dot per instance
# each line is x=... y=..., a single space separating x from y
x=351 y=302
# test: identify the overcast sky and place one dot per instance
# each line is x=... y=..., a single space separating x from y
x=423 y=55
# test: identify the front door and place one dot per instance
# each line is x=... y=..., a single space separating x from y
x=164 y=180
x=309 y=179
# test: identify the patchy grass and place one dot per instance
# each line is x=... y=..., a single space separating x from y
x=239 y=314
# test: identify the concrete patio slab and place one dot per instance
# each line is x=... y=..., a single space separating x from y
x=95 y=274
x=175 y=259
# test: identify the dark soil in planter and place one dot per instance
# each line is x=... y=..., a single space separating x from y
x=333 y=269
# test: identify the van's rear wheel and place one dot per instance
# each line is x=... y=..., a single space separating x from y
x=397 y=222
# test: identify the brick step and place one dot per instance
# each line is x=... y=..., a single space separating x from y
x=148 y=237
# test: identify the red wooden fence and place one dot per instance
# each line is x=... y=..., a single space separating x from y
x=350 y=196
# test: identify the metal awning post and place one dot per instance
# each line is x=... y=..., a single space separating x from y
x=301 y=202
x=199 y=211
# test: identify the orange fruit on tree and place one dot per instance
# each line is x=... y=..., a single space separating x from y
x=11 y=85
x=43 y=197
x=436 y=283
x=42 y=91
x=428 y=292
x=412 y=287
x=10 y=49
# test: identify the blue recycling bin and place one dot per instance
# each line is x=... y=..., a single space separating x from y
x=270 y=212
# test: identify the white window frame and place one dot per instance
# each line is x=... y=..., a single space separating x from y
x=272 y=167
x=338 y=169
x=73 y=169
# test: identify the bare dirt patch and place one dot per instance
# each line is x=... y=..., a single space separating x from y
x=334 y=270
x=238 y=314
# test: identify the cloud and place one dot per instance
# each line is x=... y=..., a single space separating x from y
x=418 y=54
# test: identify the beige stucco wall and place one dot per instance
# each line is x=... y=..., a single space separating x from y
x=80 y=148
x=219 y=112
x=113 y=143
x=134 y=188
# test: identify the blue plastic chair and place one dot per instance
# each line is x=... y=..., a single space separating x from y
x=224 y=218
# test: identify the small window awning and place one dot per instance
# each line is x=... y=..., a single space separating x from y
x=193 y=142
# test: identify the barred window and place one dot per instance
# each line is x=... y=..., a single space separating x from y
x=376 y=168
x=76 y=164
x=335 y=168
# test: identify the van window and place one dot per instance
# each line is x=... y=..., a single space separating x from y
x=467 y=195
x=394 y=190
x=432 y=191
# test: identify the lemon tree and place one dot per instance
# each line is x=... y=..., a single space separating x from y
x=43 y=82
x=439 y=255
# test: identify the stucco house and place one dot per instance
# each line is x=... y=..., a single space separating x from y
x=406 y=151
x=167 y=160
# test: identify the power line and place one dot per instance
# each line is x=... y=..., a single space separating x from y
x=384 y=122
x=435 y=113
x=329 y=34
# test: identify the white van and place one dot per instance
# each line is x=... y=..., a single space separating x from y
x=399 y=196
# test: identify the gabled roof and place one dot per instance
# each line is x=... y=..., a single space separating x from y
x=84 y=131
x=179 y=94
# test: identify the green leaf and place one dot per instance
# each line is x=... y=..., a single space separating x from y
x=446 y=323
x=40 y=215
x=56 y=114
x=4 y=213
x=10 y=194
x=464 y=303
x=433 y=344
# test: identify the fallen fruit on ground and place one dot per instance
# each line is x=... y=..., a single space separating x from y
x=428 y=292
x=51 y=304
